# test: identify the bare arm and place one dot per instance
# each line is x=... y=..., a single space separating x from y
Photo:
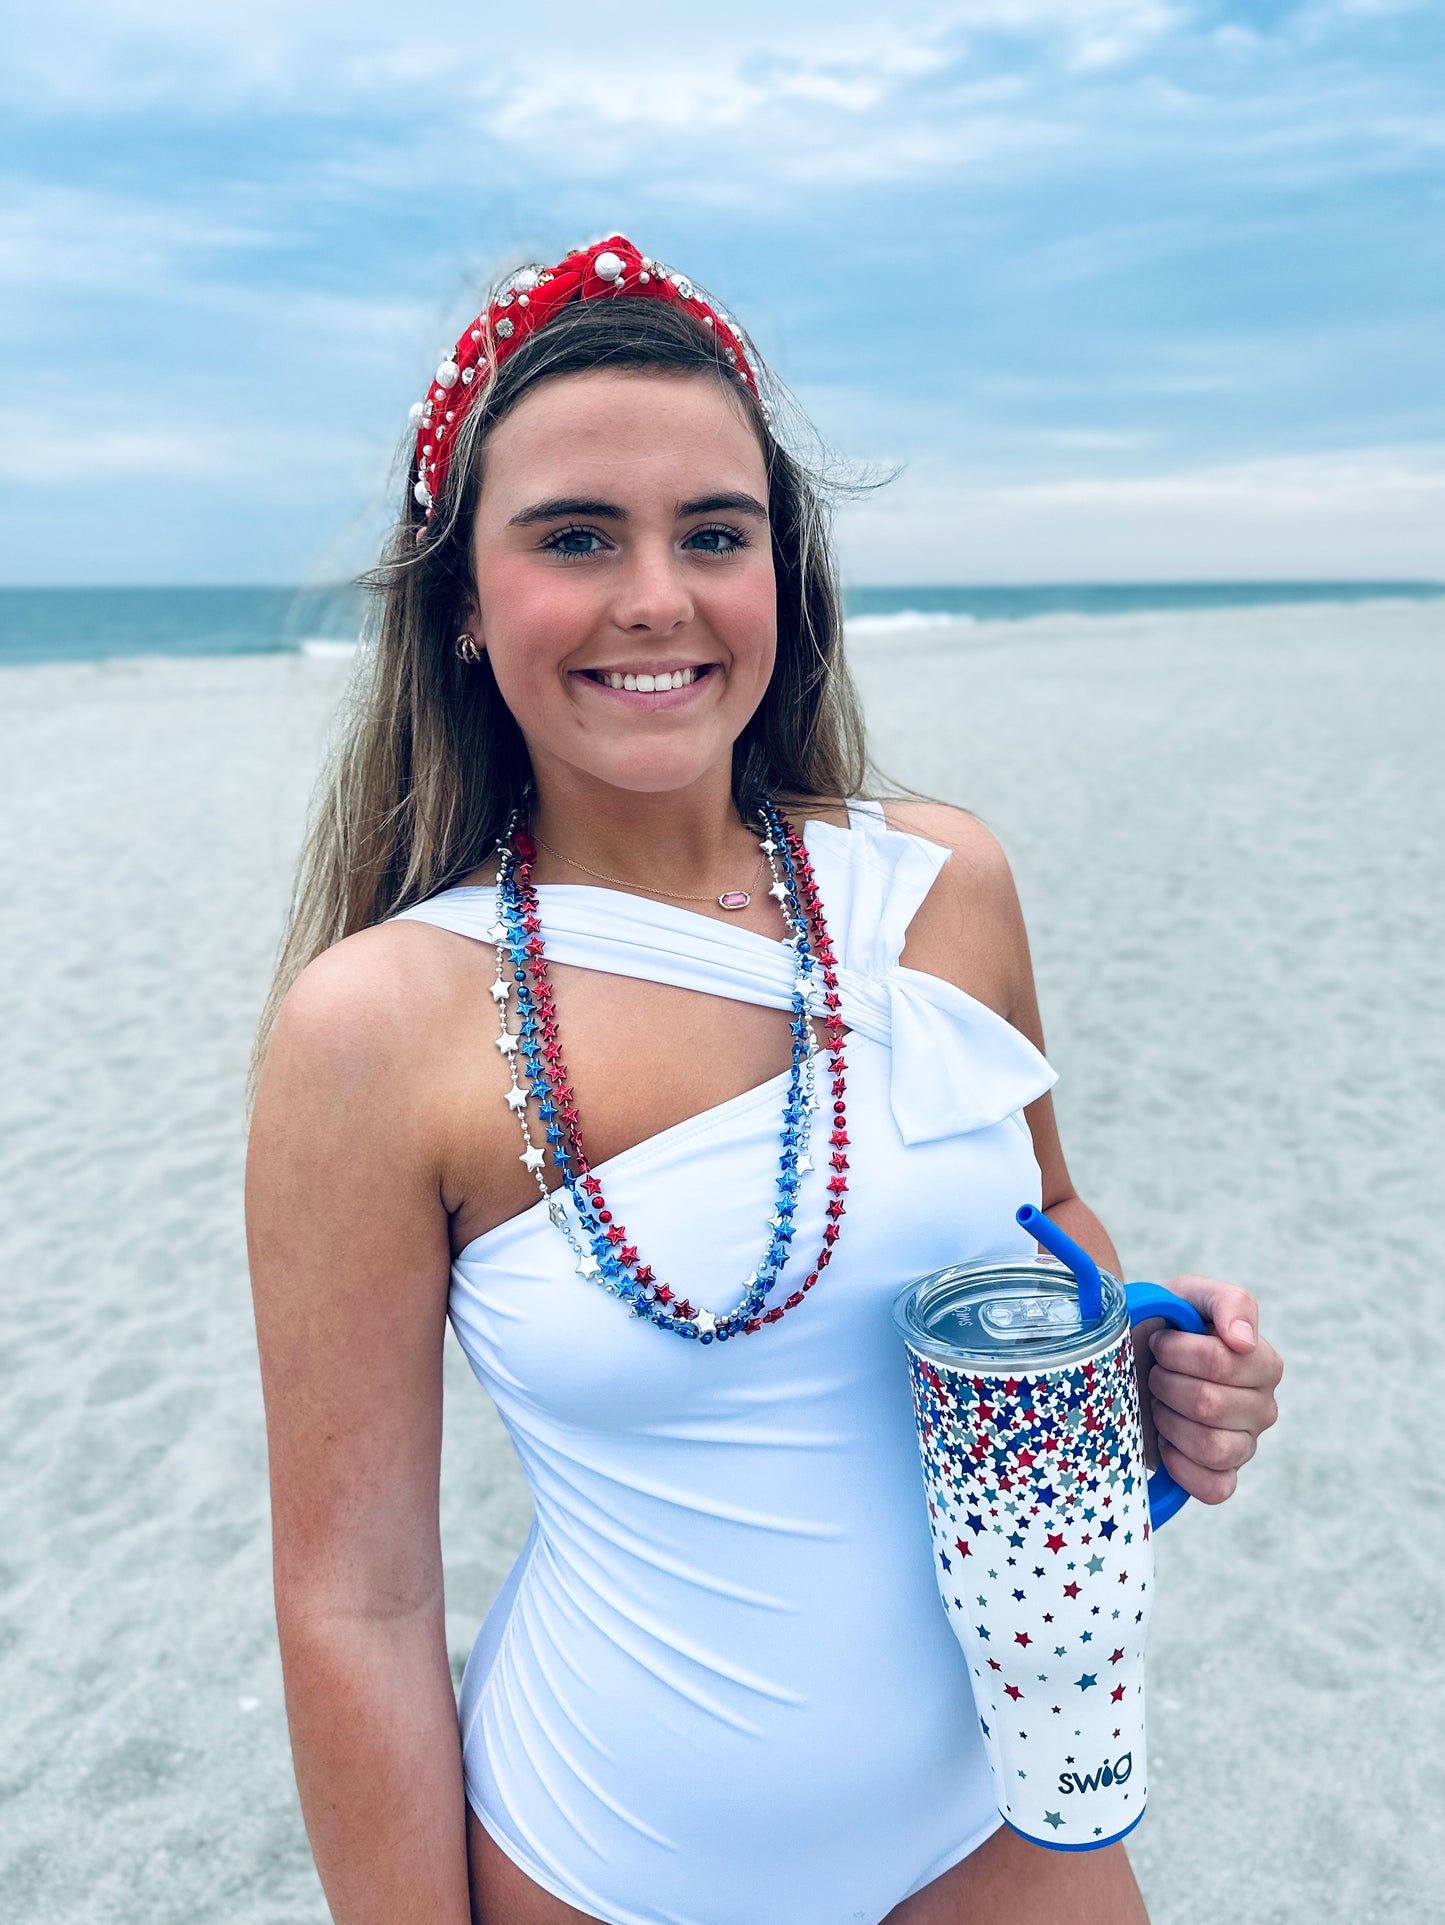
x=349 y=1264
x=1204 y=1400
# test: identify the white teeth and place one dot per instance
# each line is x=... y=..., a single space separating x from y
x=649 y=684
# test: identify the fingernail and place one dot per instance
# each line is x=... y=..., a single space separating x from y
x=1241 y=1331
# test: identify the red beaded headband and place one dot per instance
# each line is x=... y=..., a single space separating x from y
x=527 y=301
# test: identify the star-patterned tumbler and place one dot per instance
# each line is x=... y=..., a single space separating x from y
x=1041 y=1510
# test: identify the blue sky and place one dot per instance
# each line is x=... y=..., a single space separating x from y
x=1133 y=289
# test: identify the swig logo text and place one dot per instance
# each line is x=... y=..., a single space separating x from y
x=1107 y=1774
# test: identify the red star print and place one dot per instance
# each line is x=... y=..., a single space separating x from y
x=1022 y=1637
x=1071 y=1590
x=1117 y=1655
x=1116 y=1694
x=1055 y=1541
x=1014 y=1692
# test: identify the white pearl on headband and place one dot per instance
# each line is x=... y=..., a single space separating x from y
x=526 y=277
x=644 y=277
x=608 y=266
x=447 y=374
x=422 y=494
x=416 y=411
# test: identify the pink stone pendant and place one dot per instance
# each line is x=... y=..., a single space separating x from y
x=734 y=899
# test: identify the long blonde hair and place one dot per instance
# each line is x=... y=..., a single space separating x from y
x=428 y=762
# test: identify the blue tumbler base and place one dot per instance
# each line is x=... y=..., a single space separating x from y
x=1094 y=1844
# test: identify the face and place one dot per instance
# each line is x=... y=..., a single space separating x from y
x=624 y=575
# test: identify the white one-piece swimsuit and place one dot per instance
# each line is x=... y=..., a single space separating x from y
x=718 y=1687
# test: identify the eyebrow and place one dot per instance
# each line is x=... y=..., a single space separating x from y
x=735 y=502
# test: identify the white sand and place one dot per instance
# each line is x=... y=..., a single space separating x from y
x=1227 y=830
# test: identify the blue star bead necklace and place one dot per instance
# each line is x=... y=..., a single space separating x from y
x=602 y=1250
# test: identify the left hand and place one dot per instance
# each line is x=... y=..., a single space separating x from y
x=1211 y=1396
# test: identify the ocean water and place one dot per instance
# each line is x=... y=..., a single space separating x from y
x=96 y=624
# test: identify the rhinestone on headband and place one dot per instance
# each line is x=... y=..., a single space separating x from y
x=526 y=301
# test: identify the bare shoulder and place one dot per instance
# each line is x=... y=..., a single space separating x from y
x=979 y=850
x=979 y=876
x=363 y=1009
x=350 y=1137
x=970 y=928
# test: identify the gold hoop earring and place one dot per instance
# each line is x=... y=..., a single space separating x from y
x=466 y=646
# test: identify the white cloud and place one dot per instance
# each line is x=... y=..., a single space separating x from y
x=62 y=238
x=98 y=444
x=84 y=55
x=1366 y=514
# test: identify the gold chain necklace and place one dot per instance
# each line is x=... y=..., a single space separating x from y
x=729 y=899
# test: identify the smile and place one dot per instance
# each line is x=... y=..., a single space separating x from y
x=646 y=681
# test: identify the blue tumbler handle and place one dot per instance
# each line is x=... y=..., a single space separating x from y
x=1153 y=1300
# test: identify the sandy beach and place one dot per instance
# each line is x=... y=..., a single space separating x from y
x=1227 y=830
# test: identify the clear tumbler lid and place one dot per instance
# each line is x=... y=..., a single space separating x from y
x=1018 y=1312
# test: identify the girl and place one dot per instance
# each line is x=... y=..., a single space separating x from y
x=612 y=1024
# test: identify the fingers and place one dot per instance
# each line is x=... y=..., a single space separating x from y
x=1214 y=1406
x=1209 y=1486
x=1215 y=1448
x=1233 y=1312
x=1180 y=1350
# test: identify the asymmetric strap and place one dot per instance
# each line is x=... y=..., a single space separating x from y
x=957 y=1065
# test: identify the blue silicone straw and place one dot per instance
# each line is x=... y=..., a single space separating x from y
x=1086 y=1271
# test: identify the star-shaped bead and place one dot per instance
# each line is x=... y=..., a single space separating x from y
x=501 y=990
x=706 y=1322
x=588 y=1266
x=507 y=1043
x=516 y=1097
x=804 y=1163
x=532 y=1157
x=780 y=890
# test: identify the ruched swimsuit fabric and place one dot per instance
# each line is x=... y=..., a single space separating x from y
x=718 y=1687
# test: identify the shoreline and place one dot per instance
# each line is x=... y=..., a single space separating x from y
x=237 y=628
x=870 y=633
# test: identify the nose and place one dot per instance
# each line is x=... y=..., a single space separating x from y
x=652 y=593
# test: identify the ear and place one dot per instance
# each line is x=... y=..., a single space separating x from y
x=472 y=622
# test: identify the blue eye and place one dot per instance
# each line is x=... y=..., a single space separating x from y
x=718 y=540
x=572 y=544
